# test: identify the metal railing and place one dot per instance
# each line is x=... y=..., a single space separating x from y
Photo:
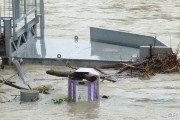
x=18 y=23
x=6 y=8
x=19 y=11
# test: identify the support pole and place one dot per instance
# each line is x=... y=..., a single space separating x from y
x=43 y=49
x=25 y=11
x=36 y=16
x=4 y=8
x=7 y=32
x=0 y=22
x=17 y=9
x=42 y=19
x=14 y=18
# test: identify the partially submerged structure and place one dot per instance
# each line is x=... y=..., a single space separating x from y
x=18 y=23
x=19 y=39
x=133 y=45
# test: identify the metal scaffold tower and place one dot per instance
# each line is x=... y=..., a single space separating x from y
x=18 y=25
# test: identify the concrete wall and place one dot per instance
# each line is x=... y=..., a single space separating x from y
x=122 y=38
x=157 y=50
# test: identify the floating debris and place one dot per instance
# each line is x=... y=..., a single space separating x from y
x=105 y=96
x=67 y=73
x=61 y=100
x=169 y=63
x=151 y=66
x=29 y=95
x=2 y=66
x=42 y=89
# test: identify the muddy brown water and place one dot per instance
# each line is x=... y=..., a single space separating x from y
x=129 y=98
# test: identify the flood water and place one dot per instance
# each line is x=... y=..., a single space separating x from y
x=129 y=98
x=67 y=18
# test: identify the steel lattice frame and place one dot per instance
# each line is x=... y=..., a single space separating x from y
x=20 y=27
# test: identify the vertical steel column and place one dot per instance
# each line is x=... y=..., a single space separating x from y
x=4 y=8
x=14 y=19
x=7 y=31
x=17 y=9
x=0 y=22
x=42 y=19
x=43 y=49
x=25 y=11
x=36 y=16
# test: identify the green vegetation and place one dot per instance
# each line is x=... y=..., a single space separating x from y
x=61 y=100
x=42 y=89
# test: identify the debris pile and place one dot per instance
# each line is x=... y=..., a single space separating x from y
x=168 y=63
x=150 y=66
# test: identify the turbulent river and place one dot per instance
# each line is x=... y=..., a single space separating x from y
x=129 y=98
x=67 y=18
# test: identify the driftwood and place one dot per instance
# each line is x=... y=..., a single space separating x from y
x=149 y=66
x=154 y=64
x=59 y=73
x=107 y=78
x=12 y=85
x=171 y=69
x=165 y=63
x=116 y=66
x=98 y=69
x=67 y=73
x=7 y=82
x=131 y=66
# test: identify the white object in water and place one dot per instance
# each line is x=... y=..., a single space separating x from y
x=134 y=57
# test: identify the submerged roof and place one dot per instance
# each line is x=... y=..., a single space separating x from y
x=106 y=45
x=81 y=49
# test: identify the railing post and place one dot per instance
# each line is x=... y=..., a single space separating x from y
x=17 y=9
x=14 y=19
x=8 y=34
x=25 y=11
x=43 y=49
x=36 y=16
x=0 y=22
x=42 y=19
